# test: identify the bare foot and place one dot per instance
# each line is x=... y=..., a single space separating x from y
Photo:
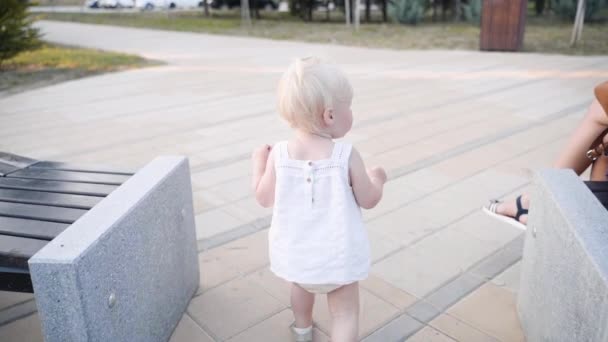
x=509 y=208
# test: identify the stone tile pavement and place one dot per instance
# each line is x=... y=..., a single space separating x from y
x=453 y=128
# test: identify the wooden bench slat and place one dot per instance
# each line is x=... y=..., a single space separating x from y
x=86 y=189
x=15 y=281
x=35 y=229
x=16 y=160
x=16 y=251
x=7 y=168
x=79 y=168
x=49 y=198
x=70 y=176
x=40 y=212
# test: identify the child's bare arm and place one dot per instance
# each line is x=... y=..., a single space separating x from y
x=263 y=180
x=367 y=184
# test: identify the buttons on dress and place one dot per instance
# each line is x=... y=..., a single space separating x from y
x=308 y=180
x=309 y=163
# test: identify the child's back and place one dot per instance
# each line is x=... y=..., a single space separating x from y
x=317 y=234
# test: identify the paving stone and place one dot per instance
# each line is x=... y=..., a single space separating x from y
x=387 y=292
x=27 y=329
x=231 y=308
x=396 y=330
x=490 y=309
x=8 y=299
x=459 y=330
x=187 y=331
x=509 y=278
x=428 y=334
x=246 y=254
x=214 y=222
x=275 y=329
x=214 y=270
x=440 y=257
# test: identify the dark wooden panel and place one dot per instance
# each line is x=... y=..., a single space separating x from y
x=49 y=198
x=7 y=168
x=16 y=251
x=40 y=212
x=597 y=186
x=57 y=186
x=600 y=190
x=79 y=168
x=70 y=176
x=15 y=281
x=36 y=229
x=16 y=160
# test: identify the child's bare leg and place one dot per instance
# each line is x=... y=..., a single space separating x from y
x=344 y=310
x=572 y=156
x=302 y=302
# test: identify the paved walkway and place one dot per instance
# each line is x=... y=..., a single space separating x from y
x=453 y=128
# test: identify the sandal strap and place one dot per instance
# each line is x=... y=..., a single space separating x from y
x=493 y=205
x=520 y=209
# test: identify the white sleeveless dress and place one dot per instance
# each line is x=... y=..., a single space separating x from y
x=317 y=235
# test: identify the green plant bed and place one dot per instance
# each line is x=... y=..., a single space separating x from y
x=52 y=64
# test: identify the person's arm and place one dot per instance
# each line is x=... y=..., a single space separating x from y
x=263 y=178
x=367 y=184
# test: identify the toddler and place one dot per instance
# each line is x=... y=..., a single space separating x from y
x=316 y=186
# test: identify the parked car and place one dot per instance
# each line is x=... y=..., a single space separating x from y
x=152 y=4
x=109 y=3
x=261 y=4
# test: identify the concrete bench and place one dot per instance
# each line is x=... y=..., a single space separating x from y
x=110 y=256
x=563 y=292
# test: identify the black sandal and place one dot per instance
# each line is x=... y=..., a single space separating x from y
x=491 y=208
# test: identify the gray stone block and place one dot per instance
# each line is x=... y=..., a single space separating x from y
x=563 y=292
x=126 y=270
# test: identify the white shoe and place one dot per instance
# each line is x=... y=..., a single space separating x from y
x=305 y=337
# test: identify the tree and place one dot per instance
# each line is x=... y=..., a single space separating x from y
x=245 y=15
x=579 y=20
x=16 y=31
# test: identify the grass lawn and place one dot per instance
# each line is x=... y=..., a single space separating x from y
x=544 y=35
x=52 y=64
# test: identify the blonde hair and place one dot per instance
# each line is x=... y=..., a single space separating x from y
x=307 y=89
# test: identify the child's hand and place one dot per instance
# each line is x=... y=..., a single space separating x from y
x=260 y=154
x=377 y=173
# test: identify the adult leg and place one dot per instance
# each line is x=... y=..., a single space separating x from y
x=572 y=156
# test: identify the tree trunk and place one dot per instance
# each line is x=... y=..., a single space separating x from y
x=347 y=11
x=245 y=15
x=456 y=10
x=384 y=6
x=357 y=14
x=579 y=20
x=539 y=7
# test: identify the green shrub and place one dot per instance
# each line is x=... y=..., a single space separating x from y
x=472 y=11
x=567 y=8
x=408 y=11
x=16 y=31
